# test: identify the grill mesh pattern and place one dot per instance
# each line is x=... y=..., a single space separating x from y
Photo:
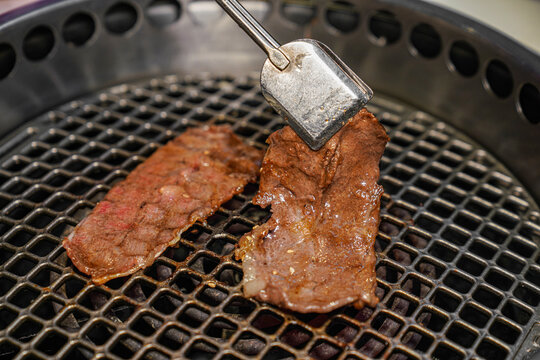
x=458 y=265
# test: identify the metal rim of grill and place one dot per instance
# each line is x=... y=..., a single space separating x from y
x=457 y=249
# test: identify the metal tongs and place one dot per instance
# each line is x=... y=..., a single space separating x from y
x=304 y=81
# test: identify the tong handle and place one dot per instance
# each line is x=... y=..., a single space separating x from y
x=255 y=30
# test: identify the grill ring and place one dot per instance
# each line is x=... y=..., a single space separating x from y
x=457 y=248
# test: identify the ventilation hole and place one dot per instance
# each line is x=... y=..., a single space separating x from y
x=140 y=290
x=401 y=255
x=494 y=233
x=401 y=304
x=415 y=196
x=79 y=352
x=8 y=350
x=478 y=206
x=212 y=295
x=386 y=324
x=38 y=195
x=275 y=353
x=486 y=296
x=166 y=302
x=245 y=131
x=402 y=212
x=237 y=228
x=78 y=29
x=27 y=330
x=239 y=307
x=516 y=312
x=7 y=60
x=430 y=268
x=474 y=315
x=267 y=321
x=7 y=316
x=455 y=235
x=471 y=265
x=221 y=328
x=48 y=308
x=401 y=173
x=417 y=340
x=499 y=79
x=73 y=320
x=161 y=13
x=389 y=228
x=186 y=282
x=529 y=102
x=490 y=350
x=125 y=347
x=40 y=219
x=120 y=311
x=160 y=270
x=296 y=336
x=70 y=287
x=426 y=41
x=24 y=296
x=371 y=345
x=230 y=275
x=173 y=337
x=342 y=330
x=416 y=286
x=504 y=331
x=198 y=234
x=201 y=350
x=389 y=273
x=120 y=18
x=343 y=16
x=22 y=266
x=521 y=247
x=38 y=43
x=193 y=316
x=384 y=26
x=515 y=265
x=300 y=12
x=100 y=332
x=527 y=294
x=467 y=220
x=179 y=253
x=146 y=324
x=324 y=350
x=204 y=264
x=18 y=238
x=458 y=282
x=464 y=58
x=447 y=352
x=52 y=343
x=442 y=251
x=445 y=300
x=461 y=335
x=483 y=249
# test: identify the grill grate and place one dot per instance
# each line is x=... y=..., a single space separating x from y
x=458 y=261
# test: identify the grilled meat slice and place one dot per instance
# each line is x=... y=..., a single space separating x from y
x=316 y=252
x=182 y=182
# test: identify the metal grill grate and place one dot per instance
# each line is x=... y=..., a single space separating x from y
x=458 y=257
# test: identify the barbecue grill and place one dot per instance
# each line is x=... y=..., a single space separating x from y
x=89 y=89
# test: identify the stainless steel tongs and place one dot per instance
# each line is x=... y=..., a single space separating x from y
x=304 y=81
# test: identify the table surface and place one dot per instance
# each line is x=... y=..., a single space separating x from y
x=7 y=5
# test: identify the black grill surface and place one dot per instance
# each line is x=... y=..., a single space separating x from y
x=458 y=256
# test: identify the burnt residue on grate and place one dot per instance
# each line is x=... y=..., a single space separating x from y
x=458 y=267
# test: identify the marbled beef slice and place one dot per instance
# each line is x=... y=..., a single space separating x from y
x=182 y=182
x=316 y=252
